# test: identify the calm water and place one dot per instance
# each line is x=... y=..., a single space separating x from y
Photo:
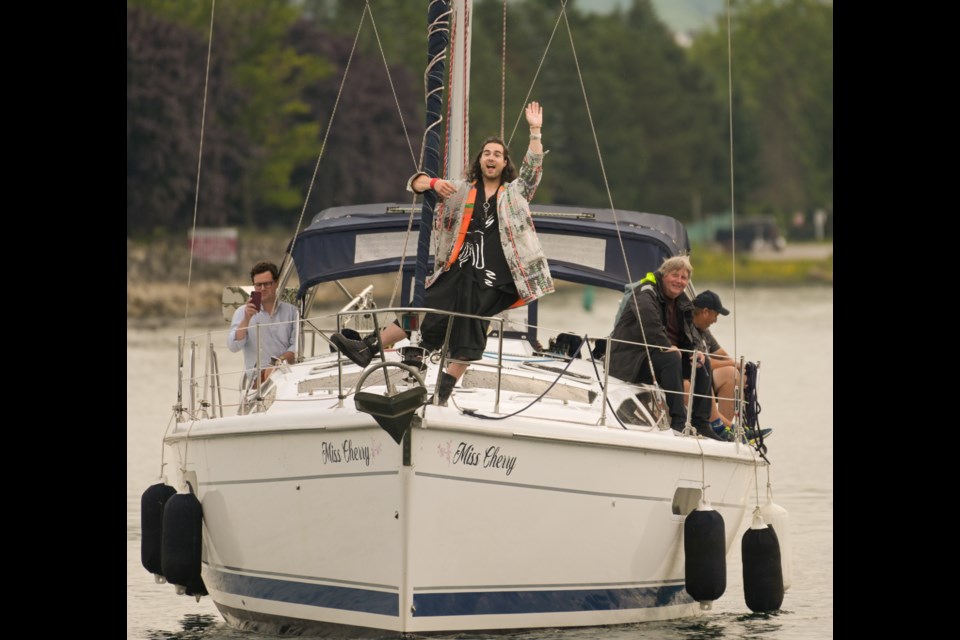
x=790 y=331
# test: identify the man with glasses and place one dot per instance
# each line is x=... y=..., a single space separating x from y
x=274 y=324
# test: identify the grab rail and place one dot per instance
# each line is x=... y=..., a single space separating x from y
x=212 y=378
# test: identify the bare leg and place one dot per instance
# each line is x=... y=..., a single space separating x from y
x=457 y=369
x=724 y=384
x=392 y=333
x=714 y=411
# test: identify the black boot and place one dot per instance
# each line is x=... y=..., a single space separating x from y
x=361 y=352
x=444 y=388
x=707 y=431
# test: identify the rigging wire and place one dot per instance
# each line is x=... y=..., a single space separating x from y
x=606 y=185
x=396 y=100
x=367 y=9
x=741 y=373
x=473 y=412
x=503 y=71
x=440 y=24
x=733 y=208
x=196 y=201
x=323 y=145
x=163 y=446
x=196 y=197
x=733 y=227
x=536 y=74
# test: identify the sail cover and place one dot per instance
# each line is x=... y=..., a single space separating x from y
x=581 y=243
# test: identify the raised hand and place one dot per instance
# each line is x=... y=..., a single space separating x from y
x=534 y=113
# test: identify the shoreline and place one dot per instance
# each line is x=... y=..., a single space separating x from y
x=158 y=273
x=156 y=303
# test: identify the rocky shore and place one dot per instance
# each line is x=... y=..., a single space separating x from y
x=158 y=273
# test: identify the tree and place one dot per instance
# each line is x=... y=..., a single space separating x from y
x=274 y=81
x=654 y=113
x=783 y=92
x=373 y=143
x=660 y=115
x=164 y=112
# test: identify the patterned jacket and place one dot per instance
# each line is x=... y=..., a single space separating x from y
x=518 y=237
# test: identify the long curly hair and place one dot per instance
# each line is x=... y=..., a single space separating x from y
x=476 y=172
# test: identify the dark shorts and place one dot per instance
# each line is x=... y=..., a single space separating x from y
x=455 y=292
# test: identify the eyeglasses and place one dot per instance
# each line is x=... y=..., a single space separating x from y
x=261 y=285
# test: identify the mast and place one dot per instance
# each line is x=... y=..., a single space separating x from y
x=458 y=108
x=447 y=20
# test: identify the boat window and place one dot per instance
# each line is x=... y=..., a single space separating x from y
x=631 y=411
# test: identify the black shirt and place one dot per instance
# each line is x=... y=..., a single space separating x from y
x=673 y=323
x=481 y=257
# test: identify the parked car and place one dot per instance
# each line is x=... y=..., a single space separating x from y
x=753 y=234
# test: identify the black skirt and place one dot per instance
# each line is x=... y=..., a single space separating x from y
x=454 y=291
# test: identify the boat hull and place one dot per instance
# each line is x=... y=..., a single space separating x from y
x=469 y=524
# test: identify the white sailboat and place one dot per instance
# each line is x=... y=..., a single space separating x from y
x=546 y=494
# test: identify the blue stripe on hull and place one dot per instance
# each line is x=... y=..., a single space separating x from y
x=471 y=603
x=507 y=602
x=316 y=595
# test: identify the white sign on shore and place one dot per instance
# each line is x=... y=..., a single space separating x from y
x=216 y=245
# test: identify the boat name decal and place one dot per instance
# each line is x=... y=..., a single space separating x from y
x=346 y=453
x=489 y=459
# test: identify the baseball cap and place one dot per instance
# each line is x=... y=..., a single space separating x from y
x=709 y=300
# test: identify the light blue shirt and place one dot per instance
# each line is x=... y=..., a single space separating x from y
x=278 y=334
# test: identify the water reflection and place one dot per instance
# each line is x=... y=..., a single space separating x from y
x=195 y=626
x=791 y=330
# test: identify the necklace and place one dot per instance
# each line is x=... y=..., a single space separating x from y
x=486 y=208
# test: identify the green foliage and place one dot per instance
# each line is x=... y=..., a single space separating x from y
x=783 y=89
x=638 y=117
x=273 y=81
x=632 y=112
x=712 y=266
x=165 y=95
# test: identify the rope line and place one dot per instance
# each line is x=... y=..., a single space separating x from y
x=596 y=372
x=323 y=145
x=473 y=412
x=503 y=71
x=526 y=98
x=396 y=100
x=196 y=196
x=439 y=24
x=733 y=208
x=606 y=186
x=163 y=448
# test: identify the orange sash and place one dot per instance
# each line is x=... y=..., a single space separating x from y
x=467 y=216
x=464 y=224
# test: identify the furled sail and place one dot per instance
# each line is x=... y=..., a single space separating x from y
x=448 y=23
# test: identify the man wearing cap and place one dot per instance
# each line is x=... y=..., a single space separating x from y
x=707 y=308
x=654 y=323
